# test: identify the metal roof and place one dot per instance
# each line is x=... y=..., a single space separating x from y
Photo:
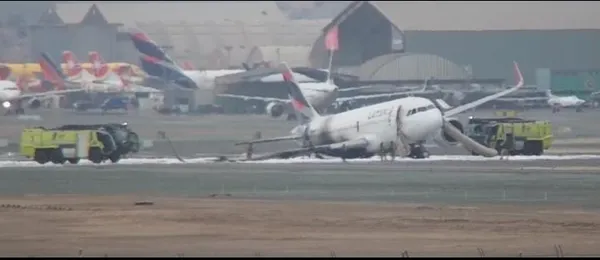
x=484 y=15
x=209 y=36
x=129 y=13
x=293 y=55
x=410 y=66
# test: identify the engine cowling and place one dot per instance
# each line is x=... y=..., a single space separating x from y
x=444 y=139
x=275 y=109
x=34 y=103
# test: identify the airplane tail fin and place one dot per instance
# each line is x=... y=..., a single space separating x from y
x=21 y=83
x=329 y=79
x=5 y=72
x=52 y=72
x=72 y=66
x=165 y=71
x=297 y=98
x=148 y=47
x=188 y=65
x=101 y=70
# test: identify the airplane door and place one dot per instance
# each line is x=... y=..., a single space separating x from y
x=399 y=121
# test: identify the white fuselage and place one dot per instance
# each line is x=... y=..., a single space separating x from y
x=8 y=90
x=205 y=79
x=319 y=94
x=570 y=101
x=378 y=124
x=93 y=84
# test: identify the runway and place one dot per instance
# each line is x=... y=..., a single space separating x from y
x=449 y=204
x=447 y=180
x=450 y=178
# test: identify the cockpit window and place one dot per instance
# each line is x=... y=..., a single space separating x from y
x=420 y=109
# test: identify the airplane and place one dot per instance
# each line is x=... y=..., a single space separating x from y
x=557 y=102
x=33 y=69
x=90 y=86
x=157 y=63
x=103 y=73
x=100 y=79
x=361 y=133
x=126 y=72
x=12 y=94
x=320 y=95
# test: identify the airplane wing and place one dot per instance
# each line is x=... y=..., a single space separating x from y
x=355 y=88
x=523 y=99
x=286 y=154
x=389 y=95
x=267 y=99
x=269 y=140
x=48 y=93
x=465 y=107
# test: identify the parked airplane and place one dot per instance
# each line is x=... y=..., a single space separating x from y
x=320 y=95
x=17 y=70
x=160 y=65
x=12 y=96
x=363 y=132
x=107 y=80
x=102 y=68
x=103 y=73
x=557 y=102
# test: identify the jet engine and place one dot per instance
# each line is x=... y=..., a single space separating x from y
x=443 y=138
x=34 y=103
x=275 y=109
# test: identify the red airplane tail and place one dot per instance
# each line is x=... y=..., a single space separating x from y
x=52 y=72
x=73 y=67
x=188 y=65
x=4 y=72
x=100 y=69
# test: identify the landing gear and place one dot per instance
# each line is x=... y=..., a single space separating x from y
x=418 y=151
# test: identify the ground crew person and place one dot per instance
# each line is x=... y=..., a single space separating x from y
x=382 y=152
x=507 y=146
x=393 y=150
x=249 y=152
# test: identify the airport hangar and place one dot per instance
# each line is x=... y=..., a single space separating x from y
x=403 y=42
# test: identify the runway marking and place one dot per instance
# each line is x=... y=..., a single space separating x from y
x=204 y=160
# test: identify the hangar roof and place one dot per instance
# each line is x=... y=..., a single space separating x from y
x=486 y=15
x=130 y=13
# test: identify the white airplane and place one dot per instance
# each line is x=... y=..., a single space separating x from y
x=402 y=123
x=106 y=82
x=565 y=101
x=556 y=102
x=79 y=77
x=11 y=96
x=319 y=94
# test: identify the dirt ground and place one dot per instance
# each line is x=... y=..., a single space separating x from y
x=114 y=226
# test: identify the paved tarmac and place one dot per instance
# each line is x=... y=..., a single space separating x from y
x=442 y=180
